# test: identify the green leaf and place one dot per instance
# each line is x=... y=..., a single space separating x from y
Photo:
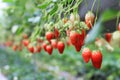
x=7 y=0
x=96 y=30
x=44 y=5
x=19 y=30
x=109 y=14
x=54 y=9
x=69 y=1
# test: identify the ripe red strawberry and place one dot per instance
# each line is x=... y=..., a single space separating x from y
x=60 y=46
x=56 y=31
x=86 y=54
x=38 y=48
x=49 y=49
x=26 y=42
x=44 y=44
x=73 y=37
x=54 y=43
x=119 y=27
x=89 y=19
x=8 y=43
x=78 y=47
x=14 y=47
x=96 y=59
x=77 y=39
x=49 y=36
x=108 y=37
x=31 y=49
x=80 y=38
x=83 y=34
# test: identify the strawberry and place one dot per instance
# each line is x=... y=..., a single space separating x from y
x=49 y=49
x=73 y=36
x=14 y=47
x=8 y=43
x=86 y=54
x=77 y=39
x=56 y=32
x=96 y=59
x=78 y=47
x=38 y=48
x=108 y=37
x=26 y=42
x=60 y=46
x=25 y=36
x=31 y=49
x=44 y=44
x=80 y=38
x=119 y=27
x=83 y=34
x=89 y=19
x=49 y=35
x=54 y=43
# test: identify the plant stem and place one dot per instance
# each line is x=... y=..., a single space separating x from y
x=117 y=21
x=93 y=5
x=97 y=11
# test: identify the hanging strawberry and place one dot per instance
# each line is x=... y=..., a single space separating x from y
x=86 y=54
x=96 y=59
x=31 y=48
x=49 y=49
x=89 y=19
x=38 y=48
x=108 y=37
x=60 y=46
x=49 y=35
x=54 y=43
x=26 y=42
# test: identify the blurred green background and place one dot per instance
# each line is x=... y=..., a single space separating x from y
x=23 y=16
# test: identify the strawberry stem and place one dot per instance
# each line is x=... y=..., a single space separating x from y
x=93 y=5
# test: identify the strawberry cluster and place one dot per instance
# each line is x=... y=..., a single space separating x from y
x=95 y=56
x=67 y=32
x=70 y=31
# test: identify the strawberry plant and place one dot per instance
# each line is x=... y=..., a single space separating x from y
x=56 y=28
